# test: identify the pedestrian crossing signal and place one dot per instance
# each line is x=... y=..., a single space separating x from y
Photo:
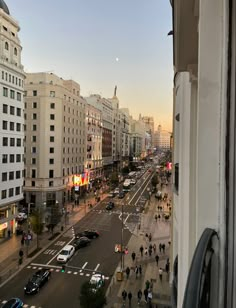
x=63 y=268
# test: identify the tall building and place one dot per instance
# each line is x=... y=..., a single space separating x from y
x=149 y=123
x=55 y=145
x=204 y=175
x=12 y=121
x=137 y=139
x=123 y=129
x=161 y=139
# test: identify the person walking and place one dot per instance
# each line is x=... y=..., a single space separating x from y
x=139 y=296
x=145 y=292
x=124 y=296
x=167 y=267
x=160 y=247
x=154 y=248
x=157 y=259
x=151 y=285
x=133 y=255
x=130 y=298
x=150 y=237
x=150 y=251
x=156 y=217
x=141 y=250
x=160 y=273
x=147 y=284
x=136 y=271
x=150 y=298
x=163 y=247
x=140 y=270
x=146 y=251
x=127 y=272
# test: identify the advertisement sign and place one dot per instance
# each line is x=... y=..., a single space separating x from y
x=81 y=179
x=3 y=226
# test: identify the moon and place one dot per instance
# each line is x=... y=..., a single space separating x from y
x=117 y=59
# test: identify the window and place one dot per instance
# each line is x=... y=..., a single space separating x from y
x=18 y=127
x=18 y=96
x=18 y=158
x=9 y=77
x=50 y=183
x=33 y=161
x=52 y=93
x=33 y=183
x=51 y=173
x=4 y=158
x=18 y=142
x=34 y=93
x=34 y=105
x=10 y=192
x=6 y=46
x=51 y=150
x=17 y=174
x=5 y=141
x=4 y=124
x=18 y=112
x=51 y=161
x=52 y=138
x=12 y=142
x=34 y=127
x=11 y=175
x=12 y=124
x=52 y=116
x=12 y=158
x=33 y=138
x=4 y=176
x=52 y=105
x=52 y=128
x=4 y=194
x=12 y=110
x=33 y=150
x=12 y=94
x=34 y=116
x=4 y=108
x=18 y=190
x=15 y=51
x=5 y=91
x=33 y=173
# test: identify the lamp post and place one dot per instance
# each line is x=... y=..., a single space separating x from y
x=122 y=237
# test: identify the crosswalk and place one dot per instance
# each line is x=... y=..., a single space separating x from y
x=115 y=212
x=4 y=301
x=69 y=270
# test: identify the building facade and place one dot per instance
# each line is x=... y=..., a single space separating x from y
x=12 y=121
x=161 y=139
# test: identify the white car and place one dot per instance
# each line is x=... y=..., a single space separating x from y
x=132 y=181
x=117 y=190
x=97 y=281
x=65 y=254
x=21 y=216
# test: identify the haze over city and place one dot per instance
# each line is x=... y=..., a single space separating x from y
x=101 y=44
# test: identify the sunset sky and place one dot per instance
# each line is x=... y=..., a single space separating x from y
x=103 y=43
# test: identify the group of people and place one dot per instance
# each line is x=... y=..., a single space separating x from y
x=147 y=294
x=138 y=271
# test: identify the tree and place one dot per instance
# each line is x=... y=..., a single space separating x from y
x=114 y=178
x=155 y=180
x=90 y=298
x=36 y=221
x=125 y=170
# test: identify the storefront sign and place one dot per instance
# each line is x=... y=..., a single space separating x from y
x=3 y=226
x=81 y=179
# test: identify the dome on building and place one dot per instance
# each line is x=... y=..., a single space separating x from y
x=4 y=7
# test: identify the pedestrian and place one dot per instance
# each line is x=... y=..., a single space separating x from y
x=141 y=250
x=146 y=251
x=124 y=295
x=150 y=251
x=9 y=233
x=139 y=296
x=156 y=217
x=159 y=217
x=150 y=237
x=167 y=266
x=147 y=283
x=127 y=272
x=151 y=285
x=154 y=248
x=145 y=292
x=136 y=271
x=160 y=273
x=163 y=247
x=22 y=241
x=160 y=247
x=129 y=298
x=133 y=255
x=150 y=297
x=157 y=259
x=140 y=269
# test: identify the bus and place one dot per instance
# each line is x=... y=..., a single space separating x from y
x=126 y=185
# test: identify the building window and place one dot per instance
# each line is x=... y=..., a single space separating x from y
x=12 y=110
x=4 y=108
x=4 y=194
x=12 y=158
x=34 y=105
x=50 y=183
x=17 y=174
x=33 y=138
x=52 y=128
x=5 y=91
x=18 y=158
x=33 y=173
x=11 y=192
x=33 y=161
x=52 y=93
x=12 y=94
x=33 y=150
x=6 y=46
x=15 y=51
x=5 y=141
x=12 y=125
x=4 y=176
x=52 y=116
x=51 y=174
x=34 y=116
x=33 y=183
x=51 y=161
x=18 y=96
x=34 y=93
x=18 y=190
x=51 y=150
x=18 y=142
x=18 y=112
x=52 y=105
x=18 y=127
x=4 y=124
x=34 y=127
x=12 y=142
x=4 y=158
x=52 y=138
x=11 y=175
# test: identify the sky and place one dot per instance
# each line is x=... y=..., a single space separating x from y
x=101 y=44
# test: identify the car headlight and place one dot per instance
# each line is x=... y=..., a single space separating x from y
x=24 y=288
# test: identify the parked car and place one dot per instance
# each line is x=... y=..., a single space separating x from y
x=117 y=190
x=110 y=205
x=121 y=195
x=132 y=181
x=81 y=242
x=97 y=281
x=88 y=233
x=111 y=194
x=21 y=216
x=65 y=254
x=13 y=303
x=37 y=281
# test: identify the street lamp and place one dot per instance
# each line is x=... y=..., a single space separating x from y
x=122 y=237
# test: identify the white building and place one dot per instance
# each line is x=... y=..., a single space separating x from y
x=137 y=139
x=204 y=216
x=161 y=139
x=12 y=121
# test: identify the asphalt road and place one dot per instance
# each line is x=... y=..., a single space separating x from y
x=64 y=288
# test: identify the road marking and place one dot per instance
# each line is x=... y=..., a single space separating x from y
x=84 y=265
x=50 y=252
x=59 y=252
x=45 y=265
x=75 y=273
x=69 y=272
x=137 y=192
x=96 y=267
x=81 y=274
x=126 y=219
x=59 y=243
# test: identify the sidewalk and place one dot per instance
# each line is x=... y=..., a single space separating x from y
x=9 y=249
x=160 y=231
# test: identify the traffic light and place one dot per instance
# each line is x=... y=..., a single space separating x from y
x=63 y=269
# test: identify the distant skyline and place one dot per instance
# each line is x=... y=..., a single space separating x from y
x=101 y=44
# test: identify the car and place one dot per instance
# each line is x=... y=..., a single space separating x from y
x=132 y=181
x=81 y=242
x=110 y=205
x=21 y=216
x=65 y=254
x=97 y=281
x=13 y=303
x=37 y=281
x=117 y=190
x=111 y=194
x=88 y=233
x=121 y=195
